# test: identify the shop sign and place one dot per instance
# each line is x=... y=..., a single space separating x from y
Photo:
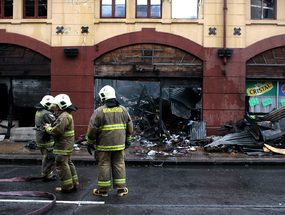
x=267 y=102
x=281 y=88
x=261 y=88
x=253 y=102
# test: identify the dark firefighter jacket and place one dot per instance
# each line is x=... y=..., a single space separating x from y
x=111 y=127
x=63 y=133
x=43 y=139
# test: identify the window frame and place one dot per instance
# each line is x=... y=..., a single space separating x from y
x=36 y=11
x=113 y=14
x=2 y=8
x=261 y=8
x=149 y=11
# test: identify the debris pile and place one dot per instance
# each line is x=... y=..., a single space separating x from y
x=170 y=113
x=162 y=124
x=251 y=134
x=175 y=146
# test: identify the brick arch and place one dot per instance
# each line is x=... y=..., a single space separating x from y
x=25 y=41
x=148 y=35
x=262 y=46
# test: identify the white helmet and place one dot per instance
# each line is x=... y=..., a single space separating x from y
x=106 y=93
x=47 y=101
x=62 y=101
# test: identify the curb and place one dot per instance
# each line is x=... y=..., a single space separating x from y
x=155 y=162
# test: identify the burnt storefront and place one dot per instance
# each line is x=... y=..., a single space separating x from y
x=24 y=80
x=160 y=85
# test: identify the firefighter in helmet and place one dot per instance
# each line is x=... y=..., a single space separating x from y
x=110 y=128
x=63 y=132
x=44 y=140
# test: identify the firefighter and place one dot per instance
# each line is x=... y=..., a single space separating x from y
x=44 y=140
x=110 y=128
x=63 y=132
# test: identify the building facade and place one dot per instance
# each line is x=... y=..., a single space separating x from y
x=226 y=56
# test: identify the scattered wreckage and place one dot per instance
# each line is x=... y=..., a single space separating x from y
x=253 y=135
x=165 y=124
x=179 y=131
x=154 y=136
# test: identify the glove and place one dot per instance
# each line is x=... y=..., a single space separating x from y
x=90 y=148
x=128 y=141
x=48 y=128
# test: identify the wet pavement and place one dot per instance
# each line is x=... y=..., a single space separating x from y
x=188 y=189
x=198 y=182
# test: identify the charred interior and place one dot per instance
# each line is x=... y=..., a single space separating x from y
x=156 y=110
x=160 y=85
x=24 y=80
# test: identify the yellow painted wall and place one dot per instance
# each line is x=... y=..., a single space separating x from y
x=73 y=14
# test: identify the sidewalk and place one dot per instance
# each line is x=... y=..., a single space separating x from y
x=17 y=152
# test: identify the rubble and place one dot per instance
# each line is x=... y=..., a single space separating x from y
x=166 y=123
x=251 y=134
x=170 y=126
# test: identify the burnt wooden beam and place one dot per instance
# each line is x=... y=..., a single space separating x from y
x=25 y=73
x=148 y=70
x=25 y=67
x=268 y=72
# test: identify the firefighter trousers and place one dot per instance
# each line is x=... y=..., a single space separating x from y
x=111 y=164
x=66 y=171
x=48 y=162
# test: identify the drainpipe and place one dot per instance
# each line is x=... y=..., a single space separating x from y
x=225 y=29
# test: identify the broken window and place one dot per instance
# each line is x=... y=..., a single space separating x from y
x=160 y=85
x=156 y=108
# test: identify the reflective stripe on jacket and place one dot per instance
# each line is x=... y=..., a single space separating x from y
x=111 y=127
x=43 y=139
x=63 y=133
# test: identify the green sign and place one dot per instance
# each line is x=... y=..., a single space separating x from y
x=261 y=88
x=266 y=102
x=253 y=102
x=283 y=102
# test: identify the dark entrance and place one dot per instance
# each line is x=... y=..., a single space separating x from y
x=160 y=85
x=24 y=80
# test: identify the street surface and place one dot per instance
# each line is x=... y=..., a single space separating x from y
x=161 y=190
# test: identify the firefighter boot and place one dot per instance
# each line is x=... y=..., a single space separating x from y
x=97 y=192
x=60 y=190
x=75 y=185
x=122 y=192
